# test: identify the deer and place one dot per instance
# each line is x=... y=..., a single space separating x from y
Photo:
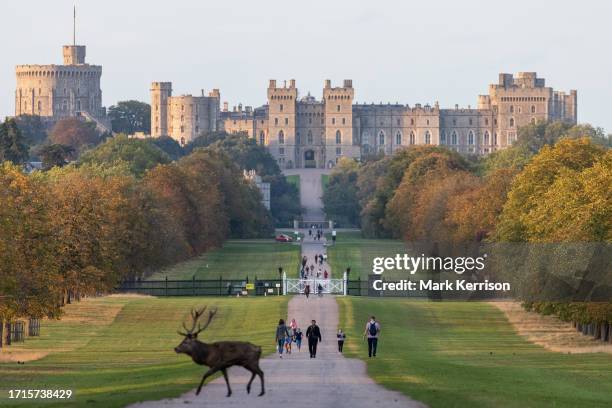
x=221 y=355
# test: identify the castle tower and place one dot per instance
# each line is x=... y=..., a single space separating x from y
x=338 y=113
x=160 y=92
x=282 y=122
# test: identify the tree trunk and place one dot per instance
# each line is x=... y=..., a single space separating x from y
x=8 y=333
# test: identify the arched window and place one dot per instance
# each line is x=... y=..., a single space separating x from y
x=262 y=138
x=443 y=138
x=381 y=138
x=511 y=122
x=533 y=109
x=495 y=139
x=309 y=137
x=454 y=138
x=427 y=137
x=486 y=138
x=471 y=138
x=281 y=137
x=398 y=138
x=276 y=121
x=511 y=109
x=412 y=138
x=338 y=137
x=281 y=107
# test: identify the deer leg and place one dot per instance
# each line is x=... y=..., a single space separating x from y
x=229 y=390
x=253 y=374
x=206 y=375
x=261 y=375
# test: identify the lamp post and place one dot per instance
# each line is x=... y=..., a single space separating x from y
x=280 y=278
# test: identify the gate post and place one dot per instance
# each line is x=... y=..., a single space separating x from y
x=284 y=283
x=344 y=284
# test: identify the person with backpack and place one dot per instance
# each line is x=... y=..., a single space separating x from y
x=341 y=337
x=372 y=331
x=313 y=333
x=281 y=334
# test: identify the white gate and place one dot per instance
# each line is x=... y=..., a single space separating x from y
x=335 y=286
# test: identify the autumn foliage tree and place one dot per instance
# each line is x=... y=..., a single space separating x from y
x=74 y=133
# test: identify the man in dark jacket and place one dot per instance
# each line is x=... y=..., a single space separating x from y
x=314 y=336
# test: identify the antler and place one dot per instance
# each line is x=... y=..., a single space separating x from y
x=211 y=314
x=195 y=316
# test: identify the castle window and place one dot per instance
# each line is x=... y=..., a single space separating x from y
x=281 y=151
x=486 y=138
x=297 y=138
x=412 y=121
x=262 y=138
x=454 y=122
x=533 y=109
x=281 y=137
x=310 y=121
x=486 y=122
x=281 y=107
x=454 y=138
x=338 y=151
x=471 y=121
x=495 y=139
x=197 y=129
x=381 y=138
x=511 y=122
x=309 y=137
x=511 y=109
x=427 y=137
x=286 y=121
x=276 y=121
x=338 y=137
x=182 y=129
x=471 y=138
x=398 y=138
x=412 y=141
x=333 y=121
x=398 y=122
x=338 y=108
x=427 y=122
x=182 y=107
x=344 y=121
x=443 y=138
x=495 y=122
x=183 y=119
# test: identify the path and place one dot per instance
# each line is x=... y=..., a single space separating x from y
x=296 y=381
x=311 y=191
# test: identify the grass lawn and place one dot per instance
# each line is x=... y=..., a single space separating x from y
x=237 y=259
x=466 y=354
x=113 y=358
x=352 y=250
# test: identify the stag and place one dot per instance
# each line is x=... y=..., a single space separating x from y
x=221 y=355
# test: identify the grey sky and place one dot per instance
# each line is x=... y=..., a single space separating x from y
x=405 y=51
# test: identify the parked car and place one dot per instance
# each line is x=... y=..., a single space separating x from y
x=283 y=238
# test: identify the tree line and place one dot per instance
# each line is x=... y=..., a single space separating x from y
x=546 y=195
x=122 y=209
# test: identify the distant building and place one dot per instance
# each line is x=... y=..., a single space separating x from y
x=306 y=132
x=264 y=188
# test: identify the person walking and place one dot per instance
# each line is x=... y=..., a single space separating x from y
x=307 y=291
x=293 y=325
x=298 y=338
x=288 y=341
x=320 y=290
x=281 y=335
x=372 y=331
x=341 y=337
x=313 y=333
x=325 y=274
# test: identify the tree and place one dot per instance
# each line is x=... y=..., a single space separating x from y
x=170 y=146
x=55 y=155
x=130 y=116
x=526 y=206
x=12 y=144
x=340 y=197
x=138 y=154
x=32 y=128
x=74 y=133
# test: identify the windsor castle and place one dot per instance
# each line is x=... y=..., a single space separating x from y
x=302 y=131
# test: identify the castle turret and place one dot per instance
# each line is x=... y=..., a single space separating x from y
x=160 y=92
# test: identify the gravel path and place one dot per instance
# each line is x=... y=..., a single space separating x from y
x=311 y=191
x=296 y=381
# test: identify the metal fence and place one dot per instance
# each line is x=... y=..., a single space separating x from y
x=203 y=287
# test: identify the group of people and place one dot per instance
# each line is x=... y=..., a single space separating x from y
x=317 y=234
x=286 y=335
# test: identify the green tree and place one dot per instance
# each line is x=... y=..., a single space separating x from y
x=12 y=144
x=130 y=116
x=55 y=155
x=138 y=154
x=340 y=197
x=32 y=128
x=170 y=146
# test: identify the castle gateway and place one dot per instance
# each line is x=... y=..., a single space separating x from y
x=305 y=132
